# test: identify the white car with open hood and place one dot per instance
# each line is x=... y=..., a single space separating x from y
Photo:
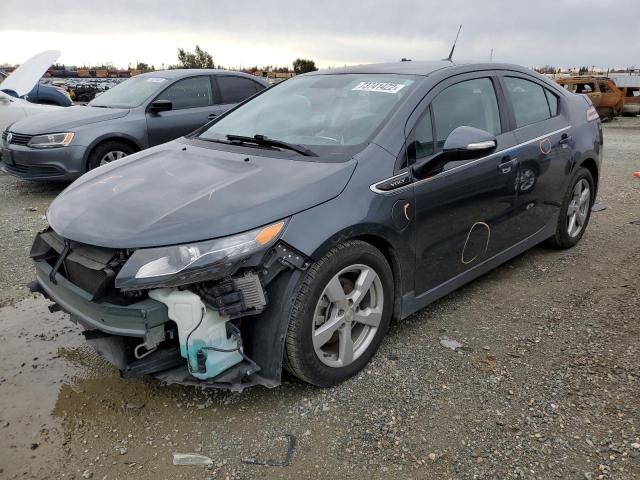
x=22 y=81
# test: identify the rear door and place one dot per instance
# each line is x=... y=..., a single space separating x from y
x=543 y=131
x=194 y=102
x=463 y=214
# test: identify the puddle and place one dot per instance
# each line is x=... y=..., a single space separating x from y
x=36 y=359
x=64 y=411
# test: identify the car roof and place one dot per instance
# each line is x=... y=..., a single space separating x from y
x=423 y=68
x=190 y=72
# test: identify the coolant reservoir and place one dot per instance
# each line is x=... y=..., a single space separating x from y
x=187 y=310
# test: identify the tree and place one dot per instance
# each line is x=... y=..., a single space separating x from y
x=197 y=59
x=303 y=65
x=144 y=67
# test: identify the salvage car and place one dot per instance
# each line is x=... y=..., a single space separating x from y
x=631 y=101
x=603 y=92
x=43 y=94
x=13 y=106
x=294 y=228
x=141 y=112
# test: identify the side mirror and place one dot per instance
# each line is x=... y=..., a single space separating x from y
x=463 y=143
x=160 y=106
x=469 y=139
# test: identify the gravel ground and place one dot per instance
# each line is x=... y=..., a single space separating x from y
x=546 y=383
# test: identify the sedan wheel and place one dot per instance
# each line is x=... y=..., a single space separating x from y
x=108 y=152
x=339 y=314
x=575 y=210
x=347 y=315
x=111 y=156
x=578 y=208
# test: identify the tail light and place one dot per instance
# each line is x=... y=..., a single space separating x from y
x=592 y=114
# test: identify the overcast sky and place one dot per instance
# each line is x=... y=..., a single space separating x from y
x=333 y=33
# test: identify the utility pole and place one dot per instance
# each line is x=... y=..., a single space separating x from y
x=491 y=56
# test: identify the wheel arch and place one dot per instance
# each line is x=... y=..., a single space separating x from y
x=385 y=243
x=123 y=138
x=591 y=165
x=385 y=247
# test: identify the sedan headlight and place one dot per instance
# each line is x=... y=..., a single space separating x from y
x=52 y=140
x=195 y=262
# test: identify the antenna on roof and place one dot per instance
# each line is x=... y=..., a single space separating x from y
x=449 y=58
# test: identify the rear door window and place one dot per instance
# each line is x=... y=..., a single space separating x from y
x=236 y=89
x=188 y=93
x=604 y=87
x=472 y=103
x=529 y=101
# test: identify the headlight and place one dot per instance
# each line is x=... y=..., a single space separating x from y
x=182 y=264
x=51 y=140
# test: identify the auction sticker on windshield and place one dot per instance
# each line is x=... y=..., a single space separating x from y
x=382 y=87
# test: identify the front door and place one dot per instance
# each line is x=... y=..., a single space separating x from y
x=464 y=212
x=194 y=104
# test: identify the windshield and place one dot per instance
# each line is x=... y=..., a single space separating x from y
x=326 y=113
x=130 y=93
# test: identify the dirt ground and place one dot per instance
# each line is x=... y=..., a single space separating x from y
x=546 y=384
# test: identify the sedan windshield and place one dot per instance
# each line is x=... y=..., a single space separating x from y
x=130 y=93
x=328 y=114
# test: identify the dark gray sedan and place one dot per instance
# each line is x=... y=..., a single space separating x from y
x=141 y=112
x=294 y=228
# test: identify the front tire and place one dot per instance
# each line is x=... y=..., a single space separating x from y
x=340 y=314
x=108 y=152
x=575 y=211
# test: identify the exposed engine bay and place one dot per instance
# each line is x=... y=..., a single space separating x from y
x=191 y=333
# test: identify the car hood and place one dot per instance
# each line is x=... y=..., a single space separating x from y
x=67 y=119
x=13 y=109
x=24 y=78
x=174 y=194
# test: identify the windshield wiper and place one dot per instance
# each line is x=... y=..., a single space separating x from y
x=214 y=140
x=270 y=142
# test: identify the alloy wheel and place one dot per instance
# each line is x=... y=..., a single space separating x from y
x=111 y=156
x=347 y=315
x=578 y=209
x=527 y=179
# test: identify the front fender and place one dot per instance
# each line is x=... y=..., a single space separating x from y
x=110 y=136
x=264 y=335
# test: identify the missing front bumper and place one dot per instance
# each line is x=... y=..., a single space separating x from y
x=108 y=326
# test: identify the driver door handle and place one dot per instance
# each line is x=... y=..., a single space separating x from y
x=506 y=164
x=212 y=116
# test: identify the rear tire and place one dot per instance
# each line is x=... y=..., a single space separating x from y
x=347 y=294
x=574 y=212
x=108 y=152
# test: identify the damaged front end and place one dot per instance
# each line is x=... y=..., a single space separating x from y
x=190 y=314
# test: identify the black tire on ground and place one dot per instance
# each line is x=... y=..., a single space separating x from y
x=300 y=357
x=562 y=239
x=105 y=148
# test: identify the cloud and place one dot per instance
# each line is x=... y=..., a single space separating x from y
x=560 y=32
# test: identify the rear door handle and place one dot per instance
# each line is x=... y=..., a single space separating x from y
x=212 y=116
x=506 y=164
